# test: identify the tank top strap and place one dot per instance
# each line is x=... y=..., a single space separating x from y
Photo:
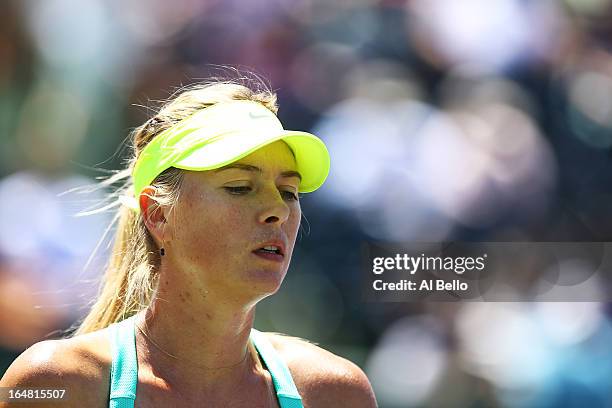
x=286 y=390
x=124 y=366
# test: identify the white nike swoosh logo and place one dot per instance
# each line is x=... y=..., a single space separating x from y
x=256 y=116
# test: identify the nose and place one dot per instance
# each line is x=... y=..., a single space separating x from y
x=274 y=209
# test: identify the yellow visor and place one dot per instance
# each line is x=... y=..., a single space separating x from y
x=223 y=133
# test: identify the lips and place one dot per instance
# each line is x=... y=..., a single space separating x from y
x=272 y=246
x=271 y=250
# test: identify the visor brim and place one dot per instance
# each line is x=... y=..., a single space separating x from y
x=311 y=155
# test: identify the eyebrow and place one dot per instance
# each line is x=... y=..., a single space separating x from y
x=248 y=167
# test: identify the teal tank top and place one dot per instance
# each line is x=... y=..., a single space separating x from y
x=124 y=367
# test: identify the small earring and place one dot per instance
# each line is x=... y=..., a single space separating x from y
x=162 y=251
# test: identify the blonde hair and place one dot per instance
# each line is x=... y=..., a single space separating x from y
x=131 y=276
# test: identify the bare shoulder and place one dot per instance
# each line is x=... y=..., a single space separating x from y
x=79 y=365
x=323 y=378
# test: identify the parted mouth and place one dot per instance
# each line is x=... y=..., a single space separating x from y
x=272 y=247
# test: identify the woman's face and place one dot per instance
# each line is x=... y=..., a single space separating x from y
x=234 y=228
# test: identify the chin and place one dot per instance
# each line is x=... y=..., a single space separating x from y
x=266 y=281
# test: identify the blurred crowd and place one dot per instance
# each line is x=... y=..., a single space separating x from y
x=445 y=120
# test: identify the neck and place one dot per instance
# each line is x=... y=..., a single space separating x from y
x=198 y=342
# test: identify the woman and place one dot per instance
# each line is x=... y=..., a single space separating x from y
x=206 y=230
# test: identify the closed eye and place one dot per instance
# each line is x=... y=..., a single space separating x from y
x=238 y=190
x=242 y=190
x=289 y=195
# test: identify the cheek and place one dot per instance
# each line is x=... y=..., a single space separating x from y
x=292 y=226
x=209 y=230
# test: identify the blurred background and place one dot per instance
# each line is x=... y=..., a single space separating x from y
x=445 y=120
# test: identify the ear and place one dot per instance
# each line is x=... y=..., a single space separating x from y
x=153 y=214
